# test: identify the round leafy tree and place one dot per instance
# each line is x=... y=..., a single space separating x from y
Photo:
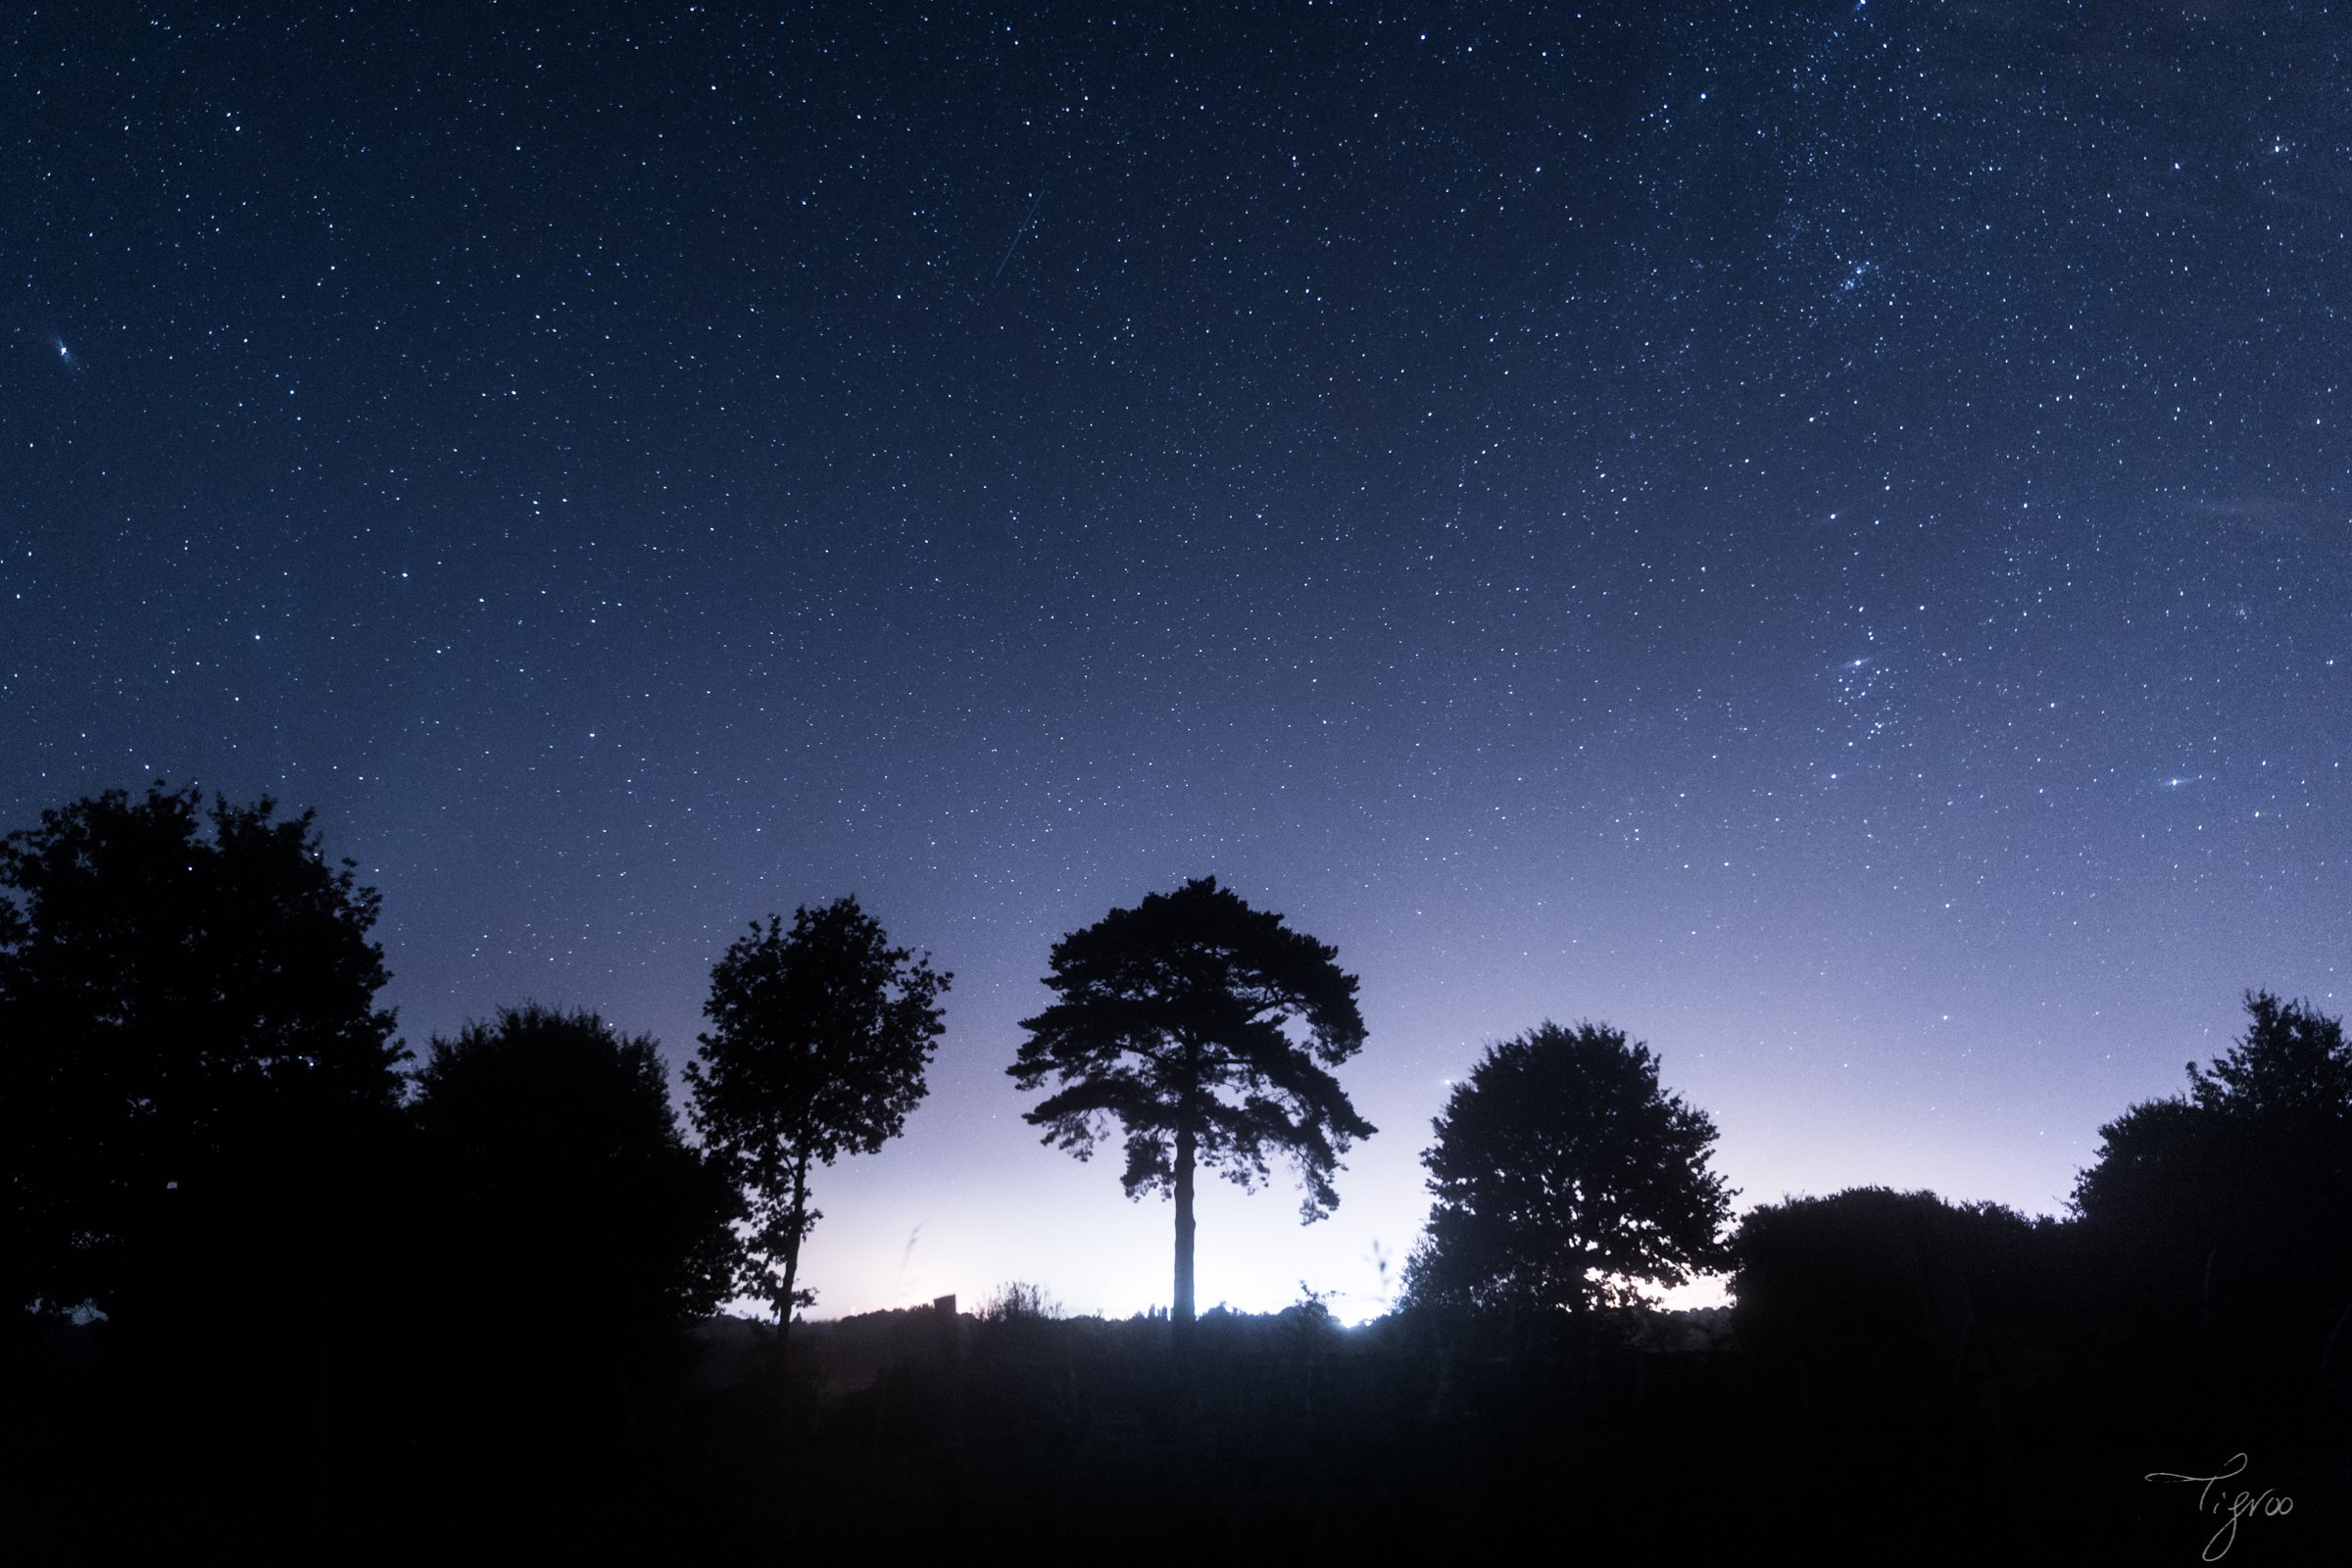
x=192 y=1057
x=554 y=1175
x=1564 y=1177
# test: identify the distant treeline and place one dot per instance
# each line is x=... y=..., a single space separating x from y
x=279 y=1285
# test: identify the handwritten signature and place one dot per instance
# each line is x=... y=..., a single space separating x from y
x=2266 y=1503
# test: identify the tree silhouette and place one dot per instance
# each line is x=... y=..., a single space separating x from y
x=554 y=1175
x=192 y=1064
x=818 y=1043
x=1562 y=1174
x=1894 y=1337
x=1879 y=1297
x=1205 y=1029
x=2228 y=1210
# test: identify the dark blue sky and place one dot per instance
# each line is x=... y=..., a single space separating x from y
x=1815 y=533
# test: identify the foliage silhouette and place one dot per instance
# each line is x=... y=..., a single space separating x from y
x=1207 y=1030
x=1924 y=1352
x=1309 y=1326
x=818 y=1042
x=553 y=1174
x=1884 y=1299
x=1018 y=1302
x=2224 y=1215
x=193 y=1070
x=1562 y=1175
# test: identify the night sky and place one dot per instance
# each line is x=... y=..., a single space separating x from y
x=1817 y=533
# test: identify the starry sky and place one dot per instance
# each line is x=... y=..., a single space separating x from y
x=1817 y=533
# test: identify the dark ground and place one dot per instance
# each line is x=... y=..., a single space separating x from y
x=1654 y=1439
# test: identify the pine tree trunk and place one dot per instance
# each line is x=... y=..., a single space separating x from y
x=1181 y=1313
